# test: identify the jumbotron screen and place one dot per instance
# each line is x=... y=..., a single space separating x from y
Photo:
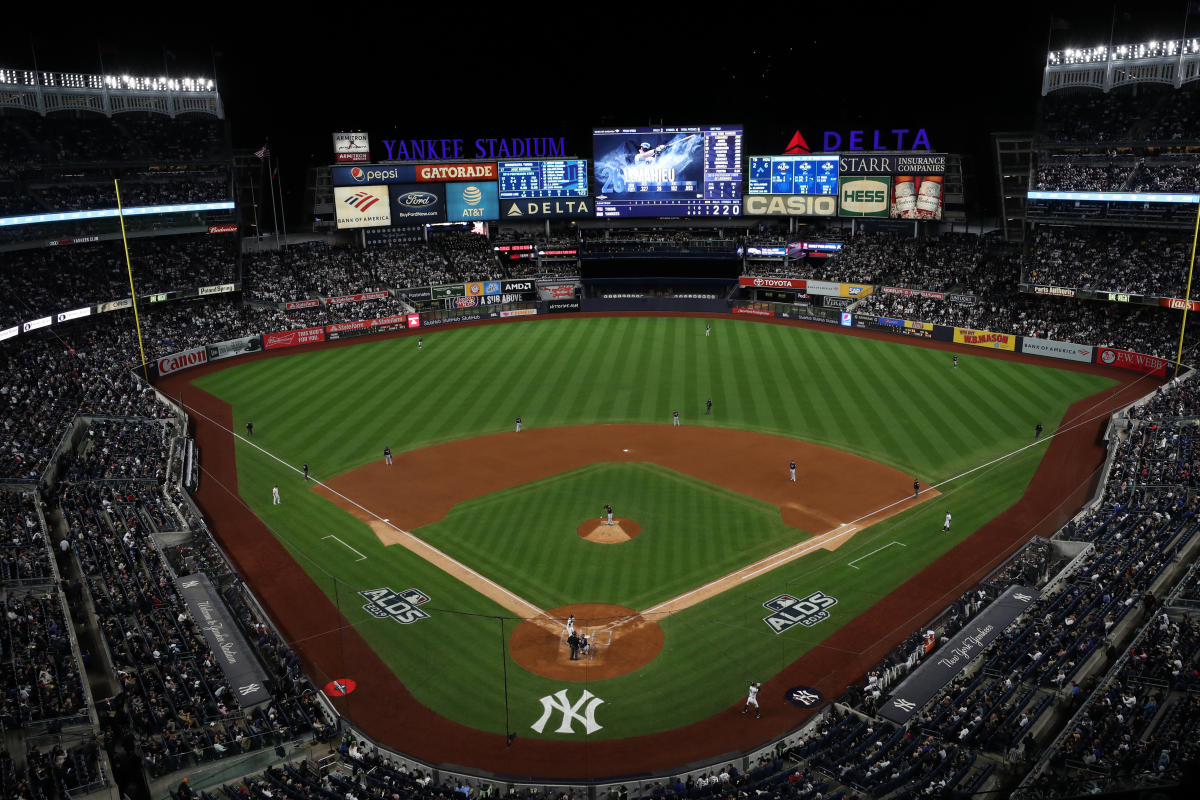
x=810 y=174
x=668 y=171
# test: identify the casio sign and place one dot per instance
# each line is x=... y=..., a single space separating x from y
x=416 y=199
x=792 y=205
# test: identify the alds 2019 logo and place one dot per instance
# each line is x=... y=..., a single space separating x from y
x=400 y=606
x=790 y=611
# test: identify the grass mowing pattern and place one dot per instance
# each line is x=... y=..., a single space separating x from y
x=900 y=404
x=692 y=533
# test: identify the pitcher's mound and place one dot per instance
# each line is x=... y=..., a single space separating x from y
x=598 y=530
x=621 y=641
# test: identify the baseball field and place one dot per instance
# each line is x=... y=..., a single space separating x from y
x=450 y=573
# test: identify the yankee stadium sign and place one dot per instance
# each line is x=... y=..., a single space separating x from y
x=445 y=149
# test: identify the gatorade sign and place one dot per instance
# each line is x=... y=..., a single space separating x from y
x=864 y=196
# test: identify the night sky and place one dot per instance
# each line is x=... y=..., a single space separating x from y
x=938 y=66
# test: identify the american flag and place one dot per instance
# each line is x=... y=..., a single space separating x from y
x=262 y=152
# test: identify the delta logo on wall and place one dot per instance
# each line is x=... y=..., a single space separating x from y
x=362 y=207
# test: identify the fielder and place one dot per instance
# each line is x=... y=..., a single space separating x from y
x=419 y=343
x=275 y=495
x=916 y=487
x=792 y=470
x=956 y=362
x=387 y=456
x=752 y=700
x=708 y=330
x=675 y=419
x=946 y=524
x=518 y=424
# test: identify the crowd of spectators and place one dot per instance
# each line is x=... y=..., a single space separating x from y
x=29 y=140
x=146 y=189
x=54 y=279
x=1173 y=172
x=1110 y=259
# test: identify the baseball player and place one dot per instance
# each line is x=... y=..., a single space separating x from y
x=708 y=330
x=275 y=495
x=708 y=406
x=387 y=456
x=956 y=362
x=518 y=424
x=752 y=700
x=305 y=470
x=675 y=418
x=946 y=524
x=1037 y=431
x=249 y=428
x=608 y=511
x=916 y=487
x=419 y=342
x=792 y=470
x=571 y=625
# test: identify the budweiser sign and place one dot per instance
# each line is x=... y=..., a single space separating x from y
x=222 y=228
x=562 y=290
x=182 y=360
x=273 y=341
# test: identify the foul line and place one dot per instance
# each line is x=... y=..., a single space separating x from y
x=348 y=547
x=408 y=536
x=876 y=550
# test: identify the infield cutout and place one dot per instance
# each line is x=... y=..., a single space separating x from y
x=621 y=641
x=599 y=531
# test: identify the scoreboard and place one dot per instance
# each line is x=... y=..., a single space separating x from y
x=668 y=171
x=549 y=178
x=807 y=174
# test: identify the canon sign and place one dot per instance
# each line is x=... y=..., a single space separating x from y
x=182 y=360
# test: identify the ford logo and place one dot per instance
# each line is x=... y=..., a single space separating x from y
x=416 y=199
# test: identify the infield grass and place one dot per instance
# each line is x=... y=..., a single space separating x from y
x=902 y=405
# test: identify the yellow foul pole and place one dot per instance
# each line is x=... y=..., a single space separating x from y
x=1187 y=297
x=132 y=293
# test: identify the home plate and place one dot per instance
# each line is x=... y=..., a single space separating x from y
x=626 y=450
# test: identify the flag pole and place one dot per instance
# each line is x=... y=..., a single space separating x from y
x=282 y=207
x=129 y=268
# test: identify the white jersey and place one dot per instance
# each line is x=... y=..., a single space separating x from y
x=947 y=519
x=752 y=698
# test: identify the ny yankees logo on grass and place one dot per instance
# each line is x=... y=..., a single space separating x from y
x=570 y=712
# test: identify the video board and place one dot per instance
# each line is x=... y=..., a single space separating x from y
x=520 y=180
x=806 y=174
x=668 y=171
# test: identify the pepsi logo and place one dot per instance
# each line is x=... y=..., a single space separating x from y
x=358 y=174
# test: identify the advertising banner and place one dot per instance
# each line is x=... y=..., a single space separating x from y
x=907 y=163
x=362 y=207
x=1179 y=304
x=358 y=298
x=562 y=306
x=920 y=326
x=1054 y=291
x=917 y=197
x=947 y=663
x=351 y=147
x=9 y=333
x=414 y=320
x=274 y=341
x=114 y=305
x=298 y=304
x=426 y=173
x=825 y=287
x=962 y=299
x=996 y=341
x=1137 y=362
x=519 y=312
x=790 y=205
x=417 y=203
x=1052 y=349
x=222 y=228
x=754 y=312
x=853 y=290
x=510 y=287
x=559 y=290
x=234 y=347
x=220 y=288
x=67 y=316
x=449 y=290
x=829 y=301
x=778 y=283
x=341 y=330
x=864 y=196
x=912 y=292
x=766 y=252
x=182 y=360
x=430 y=322
x=546 y=208
x=470 y=202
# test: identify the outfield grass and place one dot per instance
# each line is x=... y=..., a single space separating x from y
x=903 y=405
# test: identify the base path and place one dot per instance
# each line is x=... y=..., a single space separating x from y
x=384 y=709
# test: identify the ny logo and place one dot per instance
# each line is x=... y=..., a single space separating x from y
x=1024 y=598
x=570 y=711
x=905 y=705
x=189 y=584
x=249 y=688
x=805 y=697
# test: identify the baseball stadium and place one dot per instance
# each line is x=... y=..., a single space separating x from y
x=676 y=460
